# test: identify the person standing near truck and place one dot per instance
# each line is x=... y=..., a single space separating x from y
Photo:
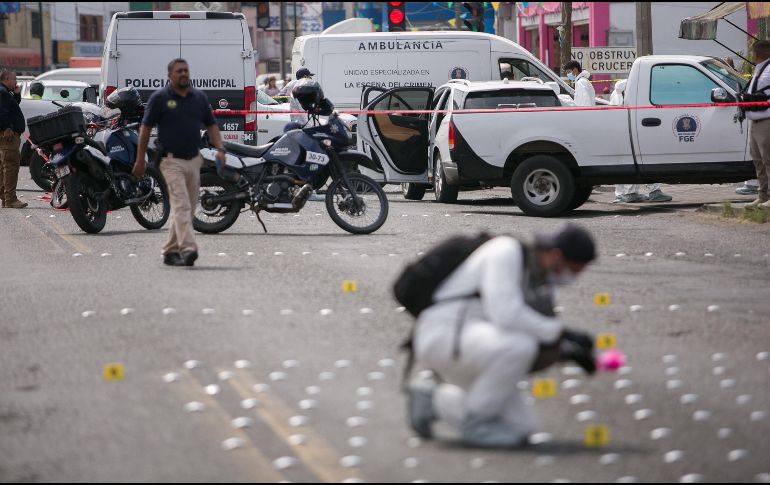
x=759 y=131
x=585 y=95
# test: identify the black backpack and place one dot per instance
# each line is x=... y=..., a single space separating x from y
x=415 y=287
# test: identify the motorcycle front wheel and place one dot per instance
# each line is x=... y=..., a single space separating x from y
x=363 y=214
x=153 y=213
x=89 y=212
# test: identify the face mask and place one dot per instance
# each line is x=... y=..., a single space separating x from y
x=571 y=77
x=566 y=277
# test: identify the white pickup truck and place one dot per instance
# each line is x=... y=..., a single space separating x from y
x=552 y=158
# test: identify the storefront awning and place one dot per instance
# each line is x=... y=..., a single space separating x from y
x=704 y=26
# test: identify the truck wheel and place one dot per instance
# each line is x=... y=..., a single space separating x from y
x=445 y=193
x=543 y=186
x=582 y=194
x=413 y=191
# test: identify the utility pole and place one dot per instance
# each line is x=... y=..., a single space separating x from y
x=283 y=40
x=566 y=34
x=458 y=18
x=643 y=29
x=42 y=36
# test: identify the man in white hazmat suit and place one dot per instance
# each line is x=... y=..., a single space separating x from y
x=630 y=193
x=482 y=346
x=585 y=95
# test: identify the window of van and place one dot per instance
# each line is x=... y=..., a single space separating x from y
x=511 y=98
x=406 y=101
x=518 y=69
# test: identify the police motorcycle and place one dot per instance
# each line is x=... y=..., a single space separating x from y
x=43 y=172
x=96 y=170
x=40 y=170
x=279 y=177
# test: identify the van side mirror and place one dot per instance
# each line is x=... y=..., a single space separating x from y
x=720 y=95
x=90 y=95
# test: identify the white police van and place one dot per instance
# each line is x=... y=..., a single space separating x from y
x=217 y=45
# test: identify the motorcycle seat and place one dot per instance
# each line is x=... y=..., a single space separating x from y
x=246 y=150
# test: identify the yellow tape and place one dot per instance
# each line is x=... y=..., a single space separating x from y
x=602 y=299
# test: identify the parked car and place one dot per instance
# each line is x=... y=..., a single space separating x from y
x=88 y=75
x=61 y=92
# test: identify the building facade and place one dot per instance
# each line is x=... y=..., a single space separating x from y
x=21 y=37
x=599 y=24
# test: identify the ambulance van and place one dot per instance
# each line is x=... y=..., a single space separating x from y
x=344 y=64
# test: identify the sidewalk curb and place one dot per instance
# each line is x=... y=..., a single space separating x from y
x=729 y=211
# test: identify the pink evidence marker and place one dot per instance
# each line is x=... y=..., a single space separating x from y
x=611 y=361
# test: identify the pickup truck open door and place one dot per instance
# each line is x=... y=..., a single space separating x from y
x=398 y=141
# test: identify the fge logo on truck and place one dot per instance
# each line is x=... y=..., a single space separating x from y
x=217 y=45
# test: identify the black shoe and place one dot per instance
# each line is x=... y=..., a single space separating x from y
x=173 y=259
x=190 y=258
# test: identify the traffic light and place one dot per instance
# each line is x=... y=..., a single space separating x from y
x=263 y=15
x=475 y=22
x=396 y=16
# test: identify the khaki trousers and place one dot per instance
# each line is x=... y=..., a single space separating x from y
x=183 y=179
x=9 y=166
x=759 y=137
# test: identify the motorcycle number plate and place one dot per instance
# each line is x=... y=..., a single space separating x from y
x=315 y=157
x=62 y=171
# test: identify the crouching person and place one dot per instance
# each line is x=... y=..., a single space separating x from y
x=489 y=324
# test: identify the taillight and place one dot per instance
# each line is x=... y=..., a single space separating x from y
x=250 y=102
x=452 y=136
x=107 y=91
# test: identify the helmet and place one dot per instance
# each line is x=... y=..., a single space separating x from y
x=36 y=88
x=127 y=100
x=308 y=93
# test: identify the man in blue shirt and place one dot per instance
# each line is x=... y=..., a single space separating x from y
x=180 y=112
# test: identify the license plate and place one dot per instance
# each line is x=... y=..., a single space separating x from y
x=319 y=158
x=62 y=171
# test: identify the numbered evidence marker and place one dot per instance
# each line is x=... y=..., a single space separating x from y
x=349 y=286
x=596 y=436
x=114 y=372
x=602 y=299
x=606 y=341
x=544 y=388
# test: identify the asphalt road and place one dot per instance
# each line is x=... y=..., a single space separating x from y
x=316 y=370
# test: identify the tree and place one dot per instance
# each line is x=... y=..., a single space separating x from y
x=643 y=29
x=566 y=33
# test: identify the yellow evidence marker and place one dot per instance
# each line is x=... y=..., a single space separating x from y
x=349 y=286
x=606 y=341
x=114 y=372
x=602 y=299
x=597 y=436
x=544 y=388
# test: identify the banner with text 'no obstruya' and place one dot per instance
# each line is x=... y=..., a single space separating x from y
x=605 y=60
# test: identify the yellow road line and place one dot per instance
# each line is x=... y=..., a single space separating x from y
x=57 y=247
x=253 y=460
x=316 y=453
x=59 y=231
